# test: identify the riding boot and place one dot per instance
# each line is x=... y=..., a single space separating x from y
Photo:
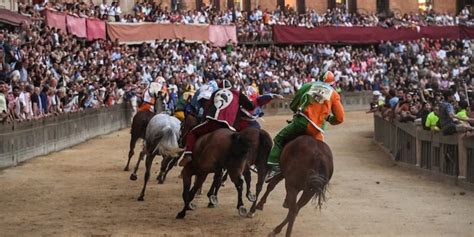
x=186 y=159
x=274 y=171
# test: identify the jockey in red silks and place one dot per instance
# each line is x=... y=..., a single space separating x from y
x=248 y=119
x=222 y=114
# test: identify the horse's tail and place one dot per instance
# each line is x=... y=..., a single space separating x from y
x=265 y=144
x=240 y=146
x=318 y=184
x=167 y=145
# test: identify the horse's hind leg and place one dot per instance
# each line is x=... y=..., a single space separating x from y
x=291 y=196
x=133 y=141
x=273 y=183
x=212 y=194
x=248 y=182
x=238 y=181
x=166 y=164
x=149 y=162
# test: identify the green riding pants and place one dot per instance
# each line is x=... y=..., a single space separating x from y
x=296 y=128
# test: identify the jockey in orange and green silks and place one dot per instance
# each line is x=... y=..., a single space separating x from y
x=313 y=105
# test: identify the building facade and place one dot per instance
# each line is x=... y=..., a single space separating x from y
x=9 y=4
x=362 y=6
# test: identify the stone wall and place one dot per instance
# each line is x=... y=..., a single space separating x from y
x=23 y=141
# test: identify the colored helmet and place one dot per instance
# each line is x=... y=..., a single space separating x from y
x=252 y=93
x=328 y=78
x=225 y=84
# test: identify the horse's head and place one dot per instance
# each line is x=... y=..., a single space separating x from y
x=190 y=121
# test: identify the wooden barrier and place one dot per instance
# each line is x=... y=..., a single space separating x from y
x=408 y=143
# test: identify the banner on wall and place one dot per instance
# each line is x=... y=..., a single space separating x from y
x=76 y=26
x=95 y=29
x=219 y=35
x=56 y=20
x=365 y=35
x=136 y=33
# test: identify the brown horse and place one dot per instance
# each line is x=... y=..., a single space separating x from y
x=260 y=145
x=208 y=157
x=307 y=166
x=139 y=123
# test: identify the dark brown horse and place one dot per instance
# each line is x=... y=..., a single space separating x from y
x=208 y=157
x=307 y=166
x=260 y=144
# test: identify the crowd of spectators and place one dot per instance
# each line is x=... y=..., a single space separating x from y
x=44 y=72
x=253 y=25
x=432 y=85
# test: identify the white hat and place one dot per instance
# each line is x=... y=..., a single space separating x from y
x=376 y=93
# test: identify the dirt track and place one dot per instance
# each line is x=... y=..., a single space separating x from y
x=83 y=191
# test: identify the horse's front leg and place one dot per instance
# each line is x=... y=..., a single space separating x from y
x=134 y=176
x=186 y=175
x=131 y=152
x=273 y=183
x=200 y=178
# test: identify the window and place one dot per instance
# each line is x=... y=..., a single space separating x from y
x=382 y=6
x=425 y=5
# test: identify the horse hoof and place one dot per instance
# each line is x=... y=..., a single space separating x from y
x=210 y=205
x=242 y=211
x=223 y=184
x=251 y=197
x=213 y=199
x=285 y=204
x=140 y=199
x=192 y=206
x=259 y=207
x=160 y=179
x=125 y=169
x=250 y=214
x=272 y=234
x=180 y=215
x=133 y=177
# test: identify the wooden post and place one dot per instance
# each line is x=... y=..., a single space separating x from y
x=462 y=159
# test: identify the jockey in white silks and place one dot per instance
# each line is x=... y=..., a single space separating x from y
x=150 y=95
x=202 y=96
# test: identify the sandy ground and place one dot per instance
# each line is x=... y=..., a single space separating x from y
x=83 y=191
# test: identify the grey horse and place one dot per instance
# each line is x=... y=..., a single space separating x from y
x=162 y=134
